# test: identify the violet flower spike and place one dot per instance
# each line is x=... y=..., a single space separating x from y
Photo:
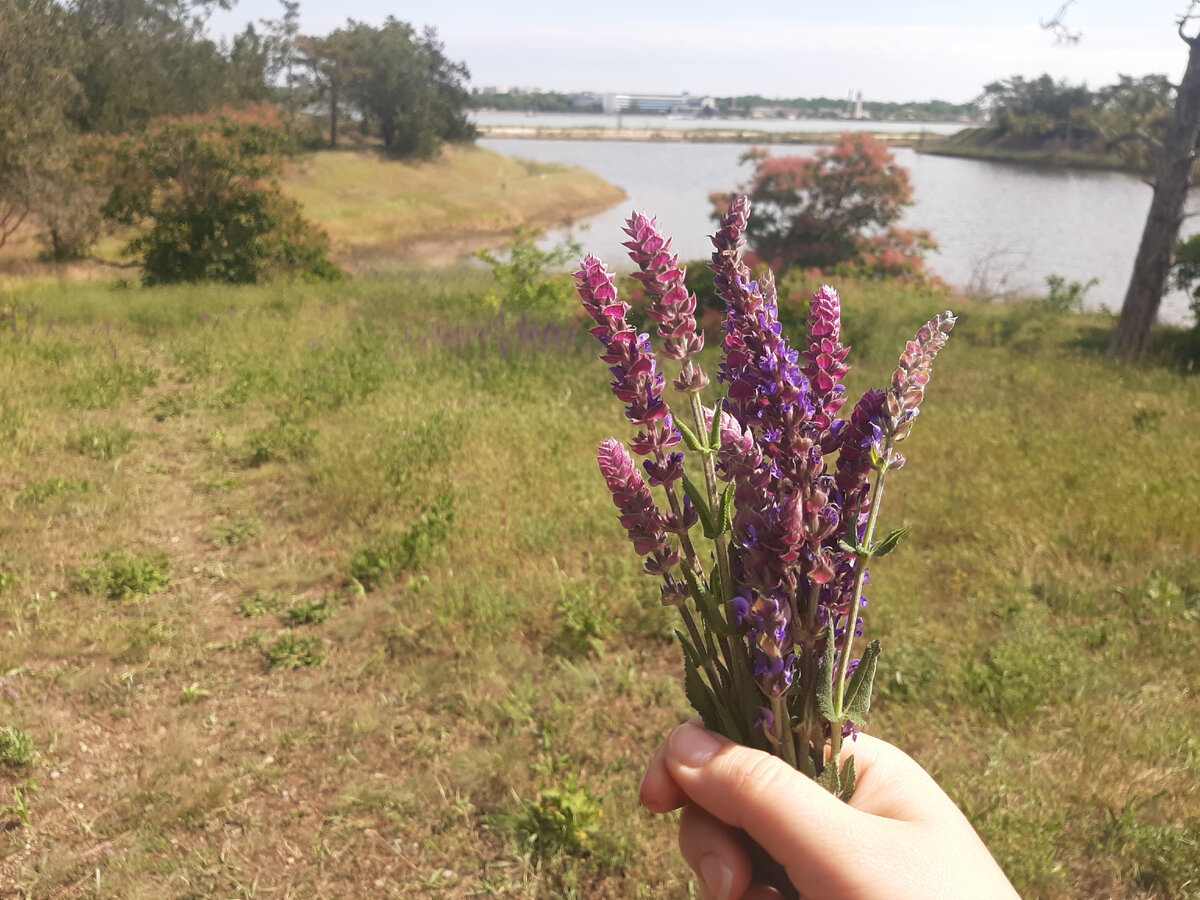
x=640 y=516
x=912 y=374
x=673 y=308
x=826 y=357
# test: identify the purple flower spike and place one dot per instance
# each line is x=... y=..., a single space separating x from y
x=912 y=374
x=826 y=357
x=637 y=381
x=641 y=518
x=858 y=437
x=674 y=309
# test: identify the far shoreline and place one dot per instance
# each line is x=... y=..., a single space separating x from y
x=914 y=139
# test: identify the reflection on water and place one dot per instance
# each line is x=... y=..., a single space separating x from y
x=1000 y=228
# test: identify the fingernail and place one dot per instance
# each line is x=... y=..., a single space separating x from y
x=693 y=746
x=717 y=877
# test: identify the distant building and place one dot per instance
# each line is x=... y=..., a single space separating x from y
x=647 y=103
x=586 y=98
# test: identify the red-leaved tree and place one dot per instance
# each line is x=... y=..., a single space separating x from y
x=833 y=211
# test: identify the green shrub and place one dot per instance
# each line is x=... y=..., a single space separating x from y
x=110 y=385
x=529 y=280
x=584 y=623
x=17 y=749
x=562 y=821
x=310 y=612
x=258 y=605
x=49 y=488
x=291 y=652
x=285 y=441
x=390 y=556
x=200 y=186
x=1066 y=296
x=120 y=575
x=101 y=441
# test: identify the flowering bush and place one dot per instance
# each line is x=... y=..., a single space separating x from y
x=772 y=604
x=835 y=211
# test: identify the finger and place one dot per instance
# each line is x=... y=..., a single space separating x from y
x=795 y=820
x=716 y=853
x=658 y=791
x=891 y=784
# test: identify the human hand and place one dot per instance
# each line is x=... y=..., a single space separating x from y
x=899 y=837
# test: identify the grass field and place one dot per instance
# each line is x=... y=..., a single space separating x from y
x=315 y=591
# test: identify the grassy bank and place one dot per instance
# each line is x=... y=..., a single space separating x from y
x=317 y=592
x=380 y=210
x=976 y=143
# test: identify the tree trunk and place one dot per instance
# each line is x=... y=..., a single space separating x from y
x=1173 y=172
x=333 y=112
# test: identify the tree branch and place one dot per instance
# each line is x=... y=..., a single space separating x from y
x=1057 y=26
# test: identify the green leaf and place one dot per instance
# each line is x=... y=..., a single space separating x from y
x=710 y=610
x=689 y=438
x=849 y=779
x=714 y=618
x=729 y=726
x=830 y=778
x=862 y=682
x=725 y=515
x=714 y=429
x=700 y=501
x=715 y=585
x=825 y=684
x=691 y=656
x=856 y=549
x=698 y=590
x=701 y=697
x=888 y=544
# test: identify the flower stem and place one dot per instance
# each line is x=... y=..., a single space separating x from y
x=720 y=548
x=714 y=498
x=783 y=731
x=860 y=576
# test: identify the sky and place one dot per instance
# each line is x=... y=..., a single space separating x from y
x=913 y=50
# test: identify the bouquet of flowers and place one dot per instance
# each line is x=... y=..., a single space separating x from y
x=764 y=547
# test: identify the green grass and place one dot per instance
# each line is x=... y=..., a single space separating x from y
x=377 y=616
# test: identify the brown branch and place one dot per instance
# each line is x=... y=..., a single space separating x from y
x=1183 y=21
x=1152 y=143
x=1057 y=25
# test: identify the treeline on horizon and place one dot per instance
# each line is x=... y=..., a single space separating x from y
x=735 y=107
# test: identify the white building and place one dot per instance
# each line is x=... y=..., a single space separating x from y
x=647 y=103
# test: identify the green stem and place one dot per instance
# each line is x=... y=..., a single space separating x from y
x=783 y=731
x=720 y=548
x=859 y=578
x=714 y=496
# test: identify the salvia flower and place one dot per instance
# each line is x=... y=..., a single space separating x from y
x=640 y=516
x=672 y=307
x=786 y=491
x=912 y=374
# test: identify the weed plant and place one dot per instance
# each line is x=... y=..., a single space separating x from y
x=17 y=748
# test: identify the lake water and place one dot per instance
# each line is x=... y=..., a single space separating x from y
x=1000 y=228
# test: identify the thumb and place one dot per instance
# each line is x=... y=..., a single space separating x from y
x=789 y=815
